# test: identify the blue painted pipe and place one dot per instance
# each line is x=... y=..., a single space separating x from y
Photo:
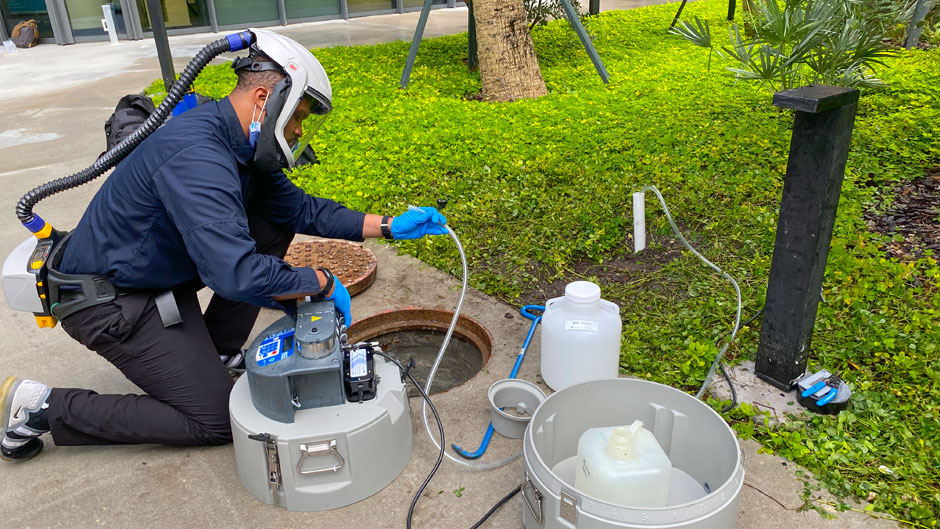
x=515 y=369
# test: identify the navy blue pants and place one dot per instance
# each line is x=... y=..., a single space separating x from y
x=187 y=387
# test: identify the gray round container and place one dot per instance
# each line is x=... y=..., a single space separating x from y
x=708 y=466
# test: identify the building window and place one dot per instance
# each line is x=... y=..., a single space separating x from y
x=85 y=17
x=420 y=3
x=176 y=13
x=16 y=11
x=365 y=6
x=311 y=8
x=240 y=12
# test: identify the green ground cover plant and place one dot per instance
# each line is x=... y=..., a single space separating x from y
x=540 y=193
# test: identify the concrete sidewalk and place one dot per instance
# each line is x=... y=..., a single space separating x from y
x=52 y=126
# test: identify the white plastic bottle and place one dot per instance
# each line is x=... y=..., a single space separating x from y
x=580 y=337
x=623 y=465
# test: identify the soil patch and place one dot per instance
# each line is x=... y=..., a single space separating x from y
x=915 y=215
x=623 y=268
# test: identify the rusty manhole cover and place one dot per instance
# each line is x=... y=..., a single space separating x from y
x=350 y=262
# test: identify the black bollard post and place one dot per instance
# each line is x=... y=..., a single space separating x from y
x=822 y=130
x=158 y=26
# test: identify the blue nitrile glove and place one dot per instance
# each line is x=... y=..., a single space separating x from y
x=341 y=301
x=418 y=222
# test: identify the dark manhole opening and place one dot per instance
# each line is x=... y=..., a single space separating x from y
x=460 y=363
x=418 y=334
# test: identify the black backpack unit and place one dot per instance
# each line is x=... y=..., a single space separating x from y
x=129 y=114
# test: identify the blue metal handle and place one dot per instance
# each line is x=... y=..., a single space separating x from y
x=515 y=369
x=818 y=386
x=828 y=397
x=525 y=311
x=525 y=345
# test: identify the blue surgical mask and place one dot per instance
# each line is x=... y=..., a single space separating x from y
x=254 y=129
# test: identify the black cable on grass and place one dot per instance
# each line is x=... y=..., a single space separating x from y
x=721 y=366
x=754 y=317
x=734 y=394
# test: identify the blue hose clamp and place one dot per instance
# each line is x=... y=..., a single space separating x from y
x=241 y=40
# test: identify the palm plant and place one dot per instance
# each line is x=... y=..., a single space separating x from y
x=701 y=36
x=799 y=42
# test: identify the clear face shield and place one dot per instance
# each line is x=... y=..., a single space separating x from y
x=307 y=117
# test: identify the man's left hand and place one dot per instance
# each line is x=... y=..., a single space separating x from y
x=418 y=222
x=341 y=301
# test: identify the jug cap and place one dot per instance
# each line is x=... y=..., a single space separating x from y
x=622 y=439
x=582 y=292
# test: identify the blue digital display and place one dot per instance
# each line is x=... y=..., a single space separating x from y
x=275 y=348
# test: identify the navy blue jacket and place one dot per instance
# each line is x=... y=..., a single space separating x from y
x=175 y=209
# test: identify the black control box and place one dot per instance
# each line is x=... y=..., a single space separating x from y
x=359 y=374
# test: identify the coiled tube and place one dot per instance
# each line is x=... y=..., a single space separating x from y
x=235 y=42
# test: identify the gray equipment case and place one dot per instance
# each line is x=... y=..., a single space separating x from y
x=298 y=442
x=328 y=456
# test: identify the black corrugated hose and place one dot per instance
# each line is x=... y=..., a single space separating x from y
x=24 y=208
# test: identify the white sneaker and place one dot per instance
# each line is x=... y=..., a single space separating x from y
x=19 y=399
x=234 y=363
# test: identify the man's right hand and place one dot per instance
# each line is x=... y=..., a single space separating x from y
x=418 y=222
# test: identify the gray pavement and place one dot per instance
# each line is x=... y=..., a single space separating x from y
x=52 y=126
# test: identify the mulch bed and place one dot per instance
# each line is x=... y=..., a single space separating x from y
x=915 y=215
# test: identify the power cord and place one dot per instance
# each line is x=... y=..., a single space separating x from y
x=497 y=506
x=440 y=428
x=440 y=456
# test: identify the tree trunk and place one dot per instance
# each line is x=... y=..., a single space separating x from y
x=509 y=69
x=916 y=26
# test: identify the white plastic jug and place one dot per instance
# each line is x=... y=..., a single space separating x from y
x=623 y=465
x=580 y=337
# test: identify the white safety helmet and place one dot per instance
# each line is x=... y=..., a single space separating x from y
x=304 y=78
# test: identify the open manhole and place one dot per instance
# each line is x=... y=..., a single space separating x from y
x=418 y=334
x=350 y=262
